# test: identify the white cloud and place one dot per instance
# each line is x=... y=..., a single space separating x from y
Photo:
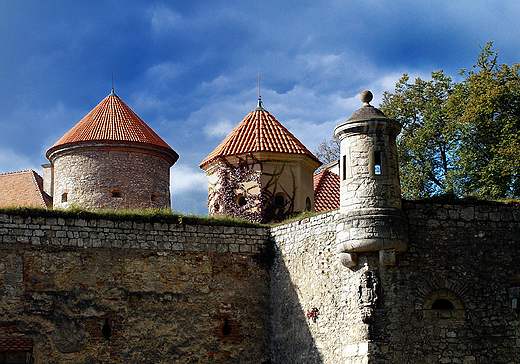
x=164 y=20
x=11 y=162
x=185 y=179
x=219 y=129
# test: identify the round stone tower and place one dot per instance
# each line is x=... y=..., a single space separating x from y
x=370 y=188
x=111 y=159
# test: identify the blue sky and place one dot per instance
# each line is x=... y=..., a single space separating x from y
x=189 y=69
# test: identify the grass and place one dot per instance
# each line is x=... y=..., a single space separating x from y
x=139 y=215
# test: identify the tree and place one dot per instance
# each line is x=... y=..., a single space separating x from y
x=460 y=138
x=429 y=139
x=328 y=151
x=487 y=106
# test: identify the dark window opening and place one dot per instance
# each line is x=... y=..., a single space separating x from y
x=116 y=194
x=226 y=329
x=107 y=329
x=279 y=200
x=16 y=351
x=64 y=197
x=308 y=204
x=442 y=304
x=153 y=197
x=378 y=168
x=344 y=167
x=15 y=358
x=240 y=200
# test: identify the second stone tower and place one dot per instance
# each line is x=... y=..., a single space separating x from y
x=370 y=188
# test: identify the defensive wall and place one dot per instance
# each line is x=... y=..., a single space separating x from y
x=103 y=290
x=466 y=254
x=99 y=290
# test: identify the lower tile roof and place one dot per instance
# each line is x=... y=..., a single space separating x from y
x=326 y=190
x=23 y=188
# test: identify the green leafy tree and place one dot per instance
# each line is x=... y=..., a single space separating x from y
x=429 y=139
x=487 y=106
x=460 y=138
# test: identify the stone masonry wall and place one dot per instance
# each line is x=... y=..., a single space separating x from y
x=105 y=291
x=90 y=176
x=467 y=254
x=307 y=274
x=113 y=291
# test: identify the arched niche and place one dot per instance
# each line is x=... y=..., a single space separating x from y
x=444 y=304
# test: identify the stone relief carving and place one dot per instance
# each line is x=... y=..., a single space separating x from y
x=368 y=288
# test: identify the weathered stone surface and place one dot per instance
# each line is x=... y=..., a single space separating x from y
x=204 y=298
x=69 y=335
x=162 y=305
x=452 y=254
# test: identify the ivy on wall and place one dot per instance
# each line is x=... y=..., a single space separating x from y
x=238 y=191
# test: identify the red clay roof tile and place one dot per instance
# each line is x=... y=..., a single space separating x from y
x=326 y=190
x=258 y=132
x=23 y=188
x=112 y=120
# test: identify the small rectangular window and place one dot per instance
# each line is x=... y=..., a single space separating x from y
x=378 y=168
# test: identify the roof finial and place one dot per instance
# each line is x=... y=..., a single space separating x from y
x=259 y=106
x=366 y=96
x=259 y=97
x=112 y=93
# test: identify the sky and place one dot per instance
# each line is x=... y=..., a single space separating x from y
x=190 y=69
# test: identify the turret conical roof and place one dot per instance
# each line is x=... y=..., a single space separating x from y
x=258 y=132
x=113 y=121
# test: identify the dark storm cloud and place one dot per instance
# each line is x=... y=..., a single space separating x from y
x=190 y=68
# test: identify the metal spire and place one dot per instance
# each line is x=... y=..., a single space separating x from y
x=259 y=106
x=112 y=93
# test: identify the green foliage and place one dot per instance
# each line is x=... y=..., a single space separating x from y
x=487 y=105
x=144 y=215
x=429 y=139
x=460 y=138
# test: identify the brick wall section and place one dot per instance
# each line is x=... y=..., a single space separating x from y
x=166 y=289
x=471 y=251
x=89 y=176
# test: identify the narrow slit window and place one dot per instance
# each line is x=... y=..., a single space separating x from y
x=378 y=168
x=64 y=197
x=116 y=194
x=344 y=167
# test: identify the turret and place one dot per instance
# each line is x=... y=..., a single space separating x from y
x=110 y=159
x=260 y=171
x=370 y=190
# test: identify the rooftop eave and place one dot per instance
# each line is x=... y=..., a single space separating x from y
x=167 y=153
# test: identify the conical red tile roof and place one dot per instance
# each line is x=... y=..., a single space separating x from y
x=258 y=132
x=112 y=120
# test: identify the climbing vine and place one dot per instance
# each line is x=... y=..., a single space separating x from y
x=238 y=191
